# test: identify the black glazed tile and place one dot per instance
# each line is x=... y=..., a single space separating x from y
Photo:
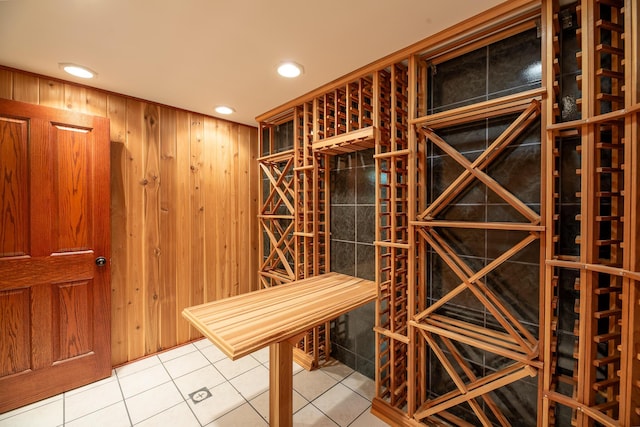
x=515 y=283
x=365 y=185
x=441 y=381
x=463 y=103
x=503 y=212
x=569 y=95
x=343 y=257
x=366 y=367
x=444 y=172
x=569 y=48
x=366 y=224
x=366 y=262
x=570 y=162
x=500 y=241
x=496 y=126
x=283 y=136
x=464 y=212
x=343 y=223
x=343 y=355
x=265 y=141
x=367 y=312
x=466 y=138
x=515 y=62
x=266 y=187
x=365 y=340
x=518 y=171
x=459 y=79
x=513 y=90
x=467 y=242
x=343 y=161
x=365 y=157
x=518 y=402
x=567 y=297
x=568 y=230
x=443 y=280
x=469 y=353
x=343 y=186
x=341 y=333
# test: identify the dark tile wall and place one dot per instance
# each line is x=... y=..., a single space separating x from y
x=352 y=252
x=505 y=67
x=502 y=68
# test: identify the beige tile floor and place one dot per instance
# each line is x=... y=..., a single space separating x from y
x=197 y=385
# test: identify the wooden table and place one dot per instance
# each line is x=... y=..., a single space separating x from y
x=276 y=317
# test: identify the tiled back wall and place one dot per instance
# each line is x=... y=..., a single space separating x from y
x=352 y=252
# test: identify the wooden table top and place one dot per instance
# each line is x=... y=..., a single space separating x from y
x=242 y=324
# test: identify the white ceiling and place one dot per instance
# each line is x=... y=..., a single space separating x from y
x=196 y=54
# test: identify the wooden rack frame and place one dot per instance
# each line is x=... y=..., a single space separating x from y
x=584 y=353
x=441 y=333
x=602 y=386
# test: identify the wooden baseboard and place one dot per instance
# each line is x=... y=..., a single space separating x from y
x=391 y=415
x=303 y=359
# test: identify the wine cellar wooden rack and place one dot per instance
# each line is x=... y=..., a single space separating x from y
x=507 y=238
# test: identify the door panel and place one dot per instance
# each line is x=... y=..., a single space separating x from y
x=14 y=234
x=15 y=322
x=54 y=299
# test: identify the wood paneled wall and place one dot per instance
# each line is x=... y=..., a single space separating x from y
x=184 y=193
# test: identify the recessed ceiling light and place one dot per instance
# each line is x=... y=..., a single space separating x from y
x=223 y=109
x=78 y=71
x=290 y=69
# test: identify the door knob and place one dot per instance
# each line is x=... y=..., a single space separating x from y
x=101 y=261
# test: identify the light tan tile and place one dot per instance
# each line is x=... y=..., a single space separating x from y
x=184 y=364
x=311 y=384
x=361 y=384
x=341 y=404
x=144 y=380
x=89 y=400
x=311 y=416
x=179 y=415
x=232 y=368
x=112 y=416
x=224 y=398
x=252 y=383
x=49 y=414
x=207 y=377
x=152 y=402
x=244 y=415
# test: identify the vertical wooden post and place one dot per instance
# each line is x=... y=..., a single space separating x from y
x=281 y=384
x=412 y=209
x=546 y=290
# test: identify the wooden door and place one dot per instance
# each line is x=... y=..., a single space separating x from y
x=54 y=225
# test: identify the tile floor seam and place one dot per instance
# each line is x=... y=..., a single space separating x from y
x=173 y=380
x=226 y=380
x=324 y=413
x=353 y=389
x=124 y=400
x=359 y=386
x=368 y=408
x=243 y=398
x=189 y=406
x=178 y=388
x=258 y=412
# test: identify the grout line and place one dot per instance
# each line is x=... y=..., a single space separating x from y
x=178 y=388
x=124 y=400
x=185 y=400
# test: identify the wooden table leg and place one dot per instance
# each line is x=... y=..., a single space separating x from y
x=281 y=384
